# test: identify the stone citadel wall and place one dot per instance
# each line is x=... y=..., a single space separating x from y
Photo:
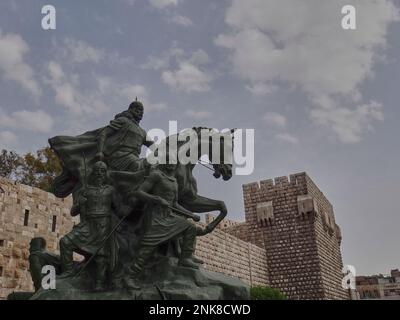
x=25 y=213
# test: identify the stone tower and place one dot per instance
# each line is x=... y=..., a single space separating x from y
x=295 y=223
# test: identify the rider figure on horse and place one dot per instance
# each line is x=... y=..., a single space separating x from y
x=120 y=143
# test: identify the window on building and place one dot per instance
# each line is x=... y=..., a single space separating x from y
x=2 y=242
x=26 y=217
x=54 y=224
x=1 y=271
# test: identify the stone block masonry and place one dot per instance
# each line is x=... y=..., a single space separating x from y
x=227 y=254
x=25 y=213
x=293 y=220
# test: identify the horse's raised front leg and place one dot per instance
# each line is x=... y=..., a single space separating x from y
x=201 y=204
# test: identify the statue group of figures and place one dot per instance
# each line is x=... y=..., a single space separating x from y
x=131 y=212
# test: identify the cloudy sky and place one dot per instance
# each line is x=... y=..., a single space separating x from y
x=321 y=99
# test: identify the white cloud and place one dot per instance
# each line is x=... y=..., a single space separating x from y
x=160 y=106
x=198 y=115
x=261 y=89
x=76 y=51
x=287 y=137
x=181 y=20
x=80 y=51
x=13 y=50
x=55 y=70
x=69 y=94
x=199 y=57
x=156 y=63
x=171 y=16
x=349 y=124
x=187 y=78
x=35 y=121
x=311 y=52
x=161 y=4
x=130 y=2
x=128 y=93
x=275 y=119
x=83 y=102
x=164 y=60
x=133 y=91
x=190 y=75
x=7 y=140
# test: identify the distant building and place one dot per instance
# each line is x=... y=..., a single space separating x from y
x=384 y=287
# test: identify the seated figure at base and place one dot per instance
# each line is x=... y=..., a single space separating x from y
x=40 y=257
x=160 y=193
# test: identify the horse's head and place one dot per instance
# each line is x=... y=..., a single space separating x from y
x=190 y=145
x=220 y=151
x=224 y=170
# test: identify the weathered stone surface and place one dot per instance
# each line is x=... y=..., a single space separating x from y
x=229 y=255
x=15 y=236
x=302 y=246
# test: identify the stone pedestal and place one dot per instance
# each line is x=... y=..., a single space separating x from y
x=162 y=281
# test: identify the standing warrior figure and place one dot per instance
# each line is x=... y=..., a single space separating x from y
x=94 y=203
x=160 y=192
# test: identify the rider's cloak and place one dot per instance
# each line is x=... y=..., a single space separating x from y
x=77 y=153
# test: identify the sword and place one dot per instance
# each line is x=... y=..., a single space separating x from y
x=195 y=217
x=85 y=171
x=186 y=214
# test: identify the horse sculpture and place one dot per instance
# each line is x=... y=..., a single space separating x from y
x=76 y=170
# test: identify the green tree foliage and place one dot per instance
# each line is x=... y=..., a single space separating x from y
x=36 y=170
x=266 y=293
x=10 y=161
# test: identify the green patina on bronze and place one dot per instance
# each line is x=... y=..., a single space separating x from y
x=136 y=231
